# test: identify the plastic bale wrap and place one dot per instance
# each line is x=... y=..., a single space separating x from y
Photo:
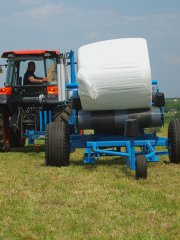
x=114 y=75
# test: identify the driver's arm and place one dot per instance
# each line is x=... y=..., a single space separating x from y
x=37 y=80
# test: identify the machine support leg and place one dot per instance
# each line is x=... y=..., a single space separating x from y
x=87 y=157
x=131 y=160
x=133 y=156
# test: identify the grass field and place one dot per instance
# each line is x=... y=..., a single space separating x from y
x=86 y=202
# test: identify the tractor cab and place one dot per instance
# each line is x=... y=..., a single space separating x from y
x=17 y=65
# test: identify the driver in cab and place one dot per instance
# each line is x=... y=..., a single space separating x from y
x=30 y=78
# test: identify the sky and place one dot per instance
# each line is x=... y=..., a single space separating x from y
x=67 y=25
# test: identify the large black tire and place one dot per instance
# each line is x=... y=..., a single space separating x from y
x=2 y=134
x=57 y=144
x=174 y=140
x=141 y=167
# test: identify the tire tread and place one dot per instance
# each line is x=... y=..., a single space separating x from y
x=57 y=144
x=174 y=140
x=141 y=167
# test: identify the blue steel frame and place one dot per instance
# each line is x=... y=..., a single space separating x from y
x=101 y=145
x=97 y=145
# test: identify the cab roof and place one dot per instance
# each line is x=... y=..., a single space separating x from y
x=15 y=53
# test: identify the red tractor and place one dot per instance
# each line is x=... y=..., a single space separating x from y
x=27 y=107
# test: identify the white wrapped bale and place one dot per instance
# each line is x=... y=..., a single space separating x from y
x=114 y=75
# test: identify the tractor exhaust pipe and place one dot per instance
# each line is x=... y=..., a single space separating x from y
x=61 y=80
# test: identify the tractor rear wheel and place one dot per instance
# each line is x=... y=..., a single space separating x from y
x=141 y=167
x=57 y=144
x=174 y=140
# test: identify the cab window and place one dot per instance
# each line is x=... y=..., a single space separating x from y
x=44 y=67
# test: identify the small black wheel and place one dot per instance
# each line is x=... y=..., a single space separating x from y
x=141 y=167
x=174 y=140
x=57 y=144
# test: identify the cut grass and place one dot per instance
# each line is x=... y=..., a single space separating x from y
x=86 y=202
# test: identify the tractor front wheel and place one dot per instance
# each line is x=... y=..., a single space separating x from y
x=15 y=139
x=57 y=144
x=4 y=135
